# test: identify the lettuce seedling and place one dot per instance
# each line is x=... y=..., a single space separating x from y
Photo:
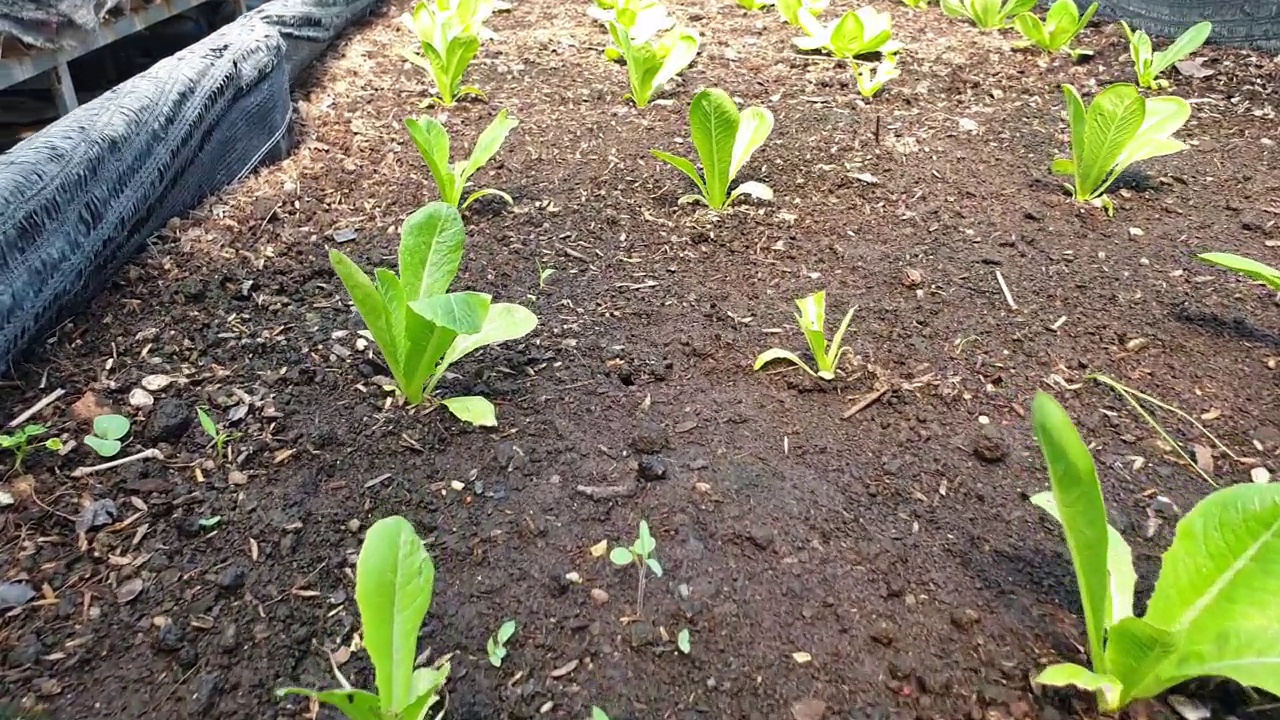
x=497 y=645
x=394 y=582
x=220 y=436
x=598 y=714
x=1118 y=129
x=639 y=554
x=1251 y=269
x=19 y=443
x=790 y=9
x=916 y=4
x=451 y=178
x=987 y=14
x=1212 y=610
x=725 y=139
x=651 y=65
x=872 y=77
x=857 y=32
x=1147 y=65
x=106 y=435
x=1060 y=26
x=469 y=16
x=682 y=642
x=755 y=4
x=420 y=327
x=447 y=50
x=812 y=318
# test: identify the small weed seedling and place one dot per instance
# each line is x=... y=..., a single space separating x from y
x=1118 y=129
x=857 y=32
x=447 y=50
x=1148 y=65
x=598 y=714
x=682 y=641
x=19 y=443
x=639 y=554
x=1251 y=269
x=812 y=318
x=916 y=4
x=220 y=436
x=987 y=14
x=497 y=646
x=651 y=65
x=544 y=274
x=790 y=9
x=872 y=77
x=755 y=4
x=1061 y=25
x=420 y=327
x=725 y=141
x=107 y=432
x=1211 y=611
x=451 y=178
x=394 y=581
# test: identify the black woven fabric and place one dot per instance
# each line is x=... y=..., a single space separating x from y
x=1251 y=23
x=308 y=26
x=80 y=197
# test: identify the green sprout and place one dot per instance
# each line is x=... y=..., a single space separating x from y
x=20 y=443
x=812 y=318
x=107 y=431
x=544 y=274
x=598 y=714
x=682 y=641
x=497 y=646
x=639 y=554
x=220 y=436
x=1148 y=64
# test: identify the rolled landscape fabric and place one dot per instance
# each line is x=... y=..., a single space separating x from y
x=1245 y=23
x=308 y=26
x=79 y=198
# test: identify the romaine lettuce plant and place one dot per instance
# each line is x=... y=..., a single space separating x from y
x=916 y=4
x=394 y=582
x=790 y=9
x=1060 y=26
x=468 y=15
x=812 y=317
x=451 y=178
x=857 y=32
x=447 y=50
x=420 y=327
x=725 y=140
x=755 y=4
x=1118 y=129
x=1147 y=65
x=987 y=14
x=651 y=65
x=1212 y=612
x=872 y=77
x=1250 y=268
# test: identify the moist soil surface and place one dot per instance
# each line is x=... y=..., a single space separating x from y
x=884 y=565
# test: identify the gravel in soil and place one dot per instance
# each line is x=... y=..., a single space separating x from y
x=883 y=565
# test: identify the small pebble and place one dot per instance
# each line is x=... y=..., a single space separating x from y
x=141 y=399
x=1136 y=232
x=353 y=525
x=599 y=596
x=574 y=578
x=155 y=383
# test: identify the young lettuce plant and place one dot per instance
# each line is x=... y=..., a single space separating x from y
x=447 y=50
x=420 y=327
x=725 y=139
x=451 y=178
x=1212 y=610
x=857 y=32
x=1118 y=129
x=639 y=554
x=872 y=77
x=1061 y=25
x=916 y=4
x=812 y=317
x=469 y=15
x=497 y=645
x=987 y=14
x=19 y=443
x=790 y=9
x=1251 y=269
x=755 y=4
x=651 y=65
x=394 y=582
x=107 y=433
x=1148 y=65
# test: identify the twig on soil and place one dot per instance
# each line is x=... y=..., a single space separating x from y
x=150 y=454
x=608 y=492
x=1008 y=297
x=865 y=402
x=44 y=403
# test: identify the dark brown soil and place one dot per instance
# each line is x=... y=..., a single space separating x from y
x=896 y=548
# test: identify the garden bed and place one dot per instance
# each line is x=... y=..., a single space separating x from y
x=896 y=548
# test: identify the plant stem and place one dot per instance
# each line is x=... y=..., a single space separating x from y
x=640 y=587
